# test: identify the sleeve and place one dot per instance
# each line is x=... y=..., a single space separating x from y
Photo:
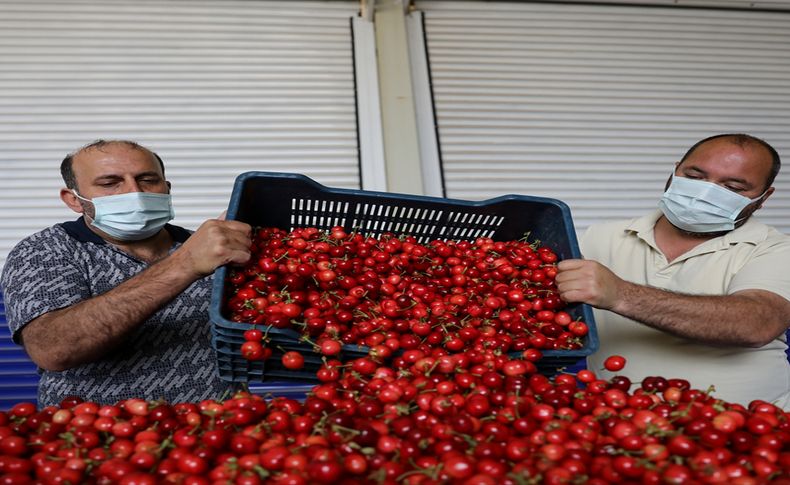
x=768 y=269
x=41 y=274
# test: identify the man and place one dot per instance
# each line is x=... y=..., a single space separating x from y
x=114 y=305
x=698 y=289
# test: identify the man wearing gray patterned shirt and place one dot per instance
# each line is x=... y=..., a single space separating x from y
x=115 y=304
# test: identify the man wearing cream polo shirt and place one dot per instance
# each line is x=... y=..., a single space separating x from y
x=697 y=289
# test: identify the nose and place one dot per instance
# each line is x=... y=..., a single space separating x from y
x=132 y=185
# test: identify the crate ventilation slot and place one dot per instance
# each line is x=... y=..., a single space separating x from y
x=377 y=219
x=323 y=214
x=467 y=226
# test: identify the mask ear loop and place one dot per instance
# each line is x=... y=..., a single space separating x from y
x=752 y=201
x=84 y=214
x=74 y=191
x=759 y=197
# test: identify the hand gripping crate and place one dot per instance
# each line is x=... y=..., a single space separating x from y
x=289 y=201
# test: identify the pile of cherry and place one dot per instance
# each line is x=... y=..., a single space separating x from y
x=471 y=418
x=393 y=294
x=449 y=392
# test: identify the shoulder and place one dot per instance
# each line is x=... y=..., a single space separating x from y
x=608 y=231
x=760 y=235
x=761 y=261
x=49 y=238
x=600 y=241
x=611 y=227
x=774 y=236
x=50 y=244
x=36 y=275
x=776 y=239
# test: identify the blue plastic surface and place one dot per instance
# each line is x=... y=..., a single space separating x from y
x=18 y=374
x=289 y=201
x=19 y=377
x=288 y=389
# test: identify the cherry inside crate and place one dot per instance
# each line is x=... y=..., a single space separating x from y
x=289 y=201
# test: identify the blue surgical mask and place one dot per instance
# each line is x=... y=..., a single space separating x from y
x=132 y=216
x=699 y=206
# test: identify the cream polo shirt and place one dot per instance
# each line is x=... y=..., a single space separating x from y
x=754 y=256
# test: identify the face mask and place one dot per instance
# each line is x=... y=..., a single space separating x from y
x=132 y=216
x=699 y=206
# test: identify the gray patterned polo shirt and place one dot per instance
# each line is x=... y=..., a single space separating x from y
x=168 y=357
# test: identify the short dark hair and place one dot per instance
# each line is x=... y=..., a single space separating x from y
x=742 y=140
x=67 y=165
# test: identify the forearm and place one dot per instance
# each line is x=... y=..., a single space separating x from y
x=738 y=320
x=89 y=330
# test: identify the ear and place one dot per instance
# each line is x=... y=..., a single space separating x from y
x=169 y=186
x=669 y=179
x=71 y=200
x=765 y=196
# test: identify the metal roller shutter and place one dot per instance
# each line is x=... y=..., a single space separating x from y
x=216 y=87
x=592 y=104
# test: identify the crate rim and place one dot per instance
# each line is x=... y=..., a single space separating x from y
x=241 y=178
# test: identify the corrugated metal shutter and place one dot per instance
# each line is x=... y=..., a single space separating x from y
x=592 y=104
x=216 y=87
x=732 y=4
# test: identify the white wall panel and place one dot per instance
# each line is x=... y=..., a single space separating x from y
x=216 y=87
x=592 y=104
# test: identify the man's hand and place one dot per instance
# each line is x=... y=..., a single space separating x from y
x=748 y=318
x=87 y=331
x=586 y=281
x=215 y=243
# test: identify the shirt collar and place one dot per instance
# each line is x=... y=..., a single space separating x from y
x=80 y=231
x=644 y=224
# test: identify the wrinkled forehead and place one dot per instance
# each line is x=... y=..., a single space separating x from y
x=749 y=159
x=114 y=158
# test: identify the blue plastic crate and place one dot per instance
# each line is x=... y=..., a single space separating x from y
x=289 y=201
x=227 y=339
x=287 y=389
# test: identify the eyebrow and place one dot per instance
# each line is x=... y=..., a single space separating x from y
x=112 y=176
